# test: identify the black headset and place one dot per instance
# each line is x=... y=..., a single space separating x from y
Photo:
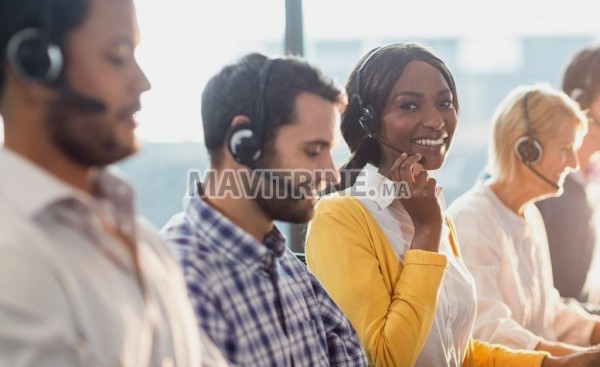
x=528 y=148
x=245 y=140
x=368 y=114
x=582 y=95
x=32 y=53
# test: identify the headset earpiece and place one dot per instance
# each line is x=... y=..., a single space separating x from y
x=243 y=145
x=245 y=140
x=33 y=57
x=528 y=150
x=367 y=118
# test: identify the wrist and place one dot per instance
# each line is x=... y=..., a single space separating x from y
x=550 y=362
x=595 y=338
x=427 y=239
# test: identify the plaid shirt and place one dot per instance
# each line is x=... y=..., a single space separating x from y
x=236 y=285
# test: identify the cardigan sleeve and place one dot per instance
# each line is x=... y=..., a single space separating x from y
x=390 y=306
x=481 y=354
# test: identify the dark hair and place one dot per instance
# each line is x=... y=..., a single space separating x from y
x=582 y=77
x=234 y=91
x=57 y=18
x=377 y=78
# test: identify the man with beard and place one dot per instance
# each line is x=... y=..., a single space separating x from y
x=82 y=283
x=264 y=119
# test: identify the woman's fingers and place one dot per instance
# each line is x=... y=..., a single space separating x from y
x=406 y=168
x=395 y=170
x=431 y=186
x=421 y=180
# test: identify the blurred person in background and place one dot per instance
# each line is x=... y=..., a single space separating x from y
x=570 y=219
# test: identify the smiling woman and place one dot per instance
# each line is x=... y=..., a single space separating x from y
x=396 y=286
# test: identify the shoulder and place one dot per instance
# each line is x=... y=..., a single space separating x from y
x=474 y=204
x=177 y=226
x=183 y=238
x=341 y=206
x=21 y=240
x=205 y=269
x=296 y=269
x=330 y=202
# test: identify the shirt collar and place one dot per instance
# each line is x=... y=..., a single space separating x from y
x=30 y=189
x=228 y=239
x=381 y=190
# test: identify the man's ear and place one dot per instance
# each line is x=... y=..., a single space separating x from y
x=239 y=119
x=242 y=141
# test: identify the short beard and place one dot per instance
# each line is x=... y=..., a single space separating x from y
x=84 y=138
x=287 y=209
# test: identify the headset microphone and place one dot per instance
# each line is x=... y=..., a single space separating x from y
x=544 y=178
x=386 y=144
x=84 y=102
x=35 y=58
x=368 y=114
x=245 y=140
x=366 y=119
x=529 y=149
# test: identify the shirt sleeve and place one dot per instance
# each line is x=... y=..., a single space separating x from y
x=343 y=346
x=209 y=315
x=481 y=243
x=572 y=323
x=34 y=314
x=481 y=354
x=391 y=313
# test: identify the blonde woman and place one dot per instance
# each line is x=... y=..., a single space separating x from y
x=536 y=133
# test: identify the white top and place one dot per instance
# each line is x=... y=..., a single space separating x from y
x=509 y=259
x=451 y=329
x=69 y=293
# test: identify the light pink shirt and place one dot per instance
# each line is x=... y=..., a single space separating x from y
x=69 y=293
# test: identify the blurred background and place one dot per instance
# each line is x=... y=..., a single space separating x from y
x=490 y=46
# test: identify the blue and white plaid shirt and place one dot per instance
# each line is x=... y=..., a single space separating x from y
x=236 y=284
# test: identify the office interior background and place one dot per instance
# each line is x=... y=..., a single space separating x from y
x=490 y=46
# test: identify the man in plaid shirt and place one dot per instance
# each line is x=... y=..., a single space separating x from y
x=259 y=304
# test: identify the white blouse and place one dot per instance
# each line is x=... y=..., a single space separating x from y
x=509 y=259
x=455 y=315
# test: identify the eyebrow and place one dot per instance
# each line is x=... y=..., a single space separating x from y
x=317 y=142
x=419 y=94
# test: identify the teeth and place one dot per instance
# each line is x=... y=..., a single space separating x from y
x=429 y=142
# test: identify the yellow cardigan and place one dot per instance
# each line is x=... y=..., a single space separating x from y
x=391 y=306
